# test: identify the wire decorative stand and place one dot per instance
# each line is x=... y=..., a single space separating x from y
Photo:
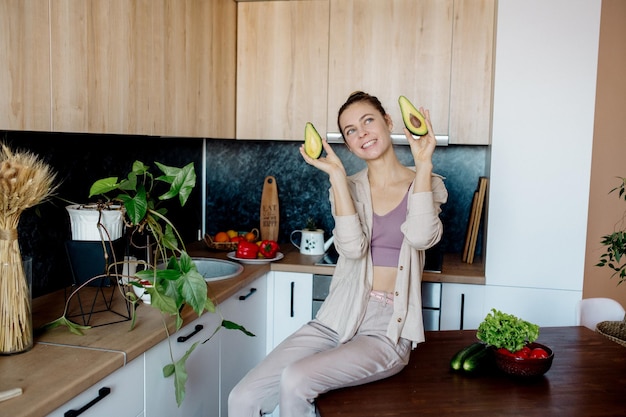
x=96 y=284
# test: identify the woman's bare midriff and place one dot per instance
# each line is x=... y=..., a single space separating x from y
x=384 y=278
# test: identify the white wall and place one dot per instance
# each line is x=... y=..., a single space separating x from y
x=544 y=97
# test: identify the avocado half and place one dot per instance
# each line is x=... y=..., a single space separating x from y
x=312 y=141
x=412 y=118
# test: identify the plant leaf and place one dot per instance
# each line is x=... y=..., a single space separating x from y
x=72 y=327
x=178 y=369
x=103 y=186
x=234 y=326
x=182 y=181
x=137 y=206
x=139 y=168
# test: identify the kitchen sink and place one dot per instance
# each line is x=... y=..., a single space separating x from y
x=213 y=269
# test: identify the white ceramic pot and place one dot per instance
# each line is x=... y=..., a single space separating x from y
x=84 y=222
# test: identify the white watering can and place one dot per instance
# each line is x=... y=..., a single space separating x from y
x=312 y=242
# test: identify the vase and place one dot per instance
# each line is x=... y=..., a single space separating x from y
x=16 y=321
x=93 y=223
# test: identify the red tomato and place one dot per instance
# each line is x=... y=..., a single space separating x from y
x=237 y=239
x=538 y=353
x=523 y=353
x=505 y=351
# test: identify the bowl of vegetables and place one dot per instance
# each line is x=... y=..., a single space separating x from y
x=514 y=345
x=534 y=359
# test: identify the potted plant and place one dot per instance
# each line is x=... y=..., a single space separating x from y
x=170 y=277
x=614 y=256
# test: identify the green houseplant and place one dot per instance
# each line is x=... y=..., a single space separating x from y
x=171 y=277
x=614 y=256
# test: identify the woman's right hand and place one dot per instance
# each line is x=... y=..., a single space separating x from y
x=330 y=164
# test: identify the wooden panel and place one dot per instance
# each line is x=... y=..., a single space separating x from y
x=388 y=49
x=24 y=65
x=472 y=72
x=282 y=67
x=69 y=65
x=144 y=67
x=199 y=61
x=110 y=61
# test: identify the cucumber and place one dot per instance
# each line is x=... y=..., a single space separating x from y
x=459 y=358
x=474 y=362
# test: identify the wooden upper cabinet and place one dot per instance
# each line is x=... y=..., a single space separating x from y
x=282 y=68
x=196 y=78
x=24 y=65
x=144 y=67
x=472 y=72
x=391 y=48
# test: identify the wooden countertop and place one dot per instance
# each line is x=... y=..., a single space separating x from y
x=587 y=378
x=61 y=365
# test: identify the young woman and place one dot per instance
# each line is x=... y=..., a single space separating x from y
x=385 y=217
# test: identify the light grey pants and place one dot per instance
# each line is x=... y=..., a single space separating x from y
x=312 y=361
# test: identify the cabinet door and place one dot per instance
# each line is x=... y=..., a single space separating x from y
x=203 y=370
x=461 y=306
x=238 y=352
x=24 y=65
x=290 y=302
x=124 y=399
x=137 y=67
x=391 y=48
x=472 y=72
x=282 y=68
x=194 y=79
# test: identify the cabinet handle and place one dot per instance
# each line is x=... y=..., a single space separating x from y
x=293 y=285
x=462 y=311
x=102 y=392
x=182 y=339
x=244 y=297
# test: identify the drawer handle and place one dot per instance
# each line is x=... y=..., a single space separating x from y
x=182 y=339
x=293 y=285
x=102 y=392
x=245 y=297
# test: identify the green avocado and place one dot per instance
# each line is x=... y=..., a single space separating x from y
x=412 y=118
x=312 y=141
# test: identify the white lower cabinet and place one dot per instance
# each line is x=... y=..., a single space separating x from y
x=139 y=389
x=461 y=306
x=238 y=352
x=289 y=304
x=124 y=399
x=203 y=372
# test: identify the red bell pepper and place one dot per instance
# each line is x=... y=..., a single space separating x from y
x=246 y=250
x=269 y=248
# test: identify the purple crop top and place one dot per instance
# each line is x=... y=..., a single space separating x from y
x=387 y=237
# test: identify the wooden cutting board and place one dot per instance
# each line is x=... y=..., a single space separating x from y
x=270 y=216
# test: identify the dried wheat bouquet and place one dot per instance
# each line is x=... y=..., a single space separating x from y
x=25 y=181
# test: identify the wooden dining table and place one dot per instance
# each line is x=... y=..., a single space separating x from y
x=587 y=378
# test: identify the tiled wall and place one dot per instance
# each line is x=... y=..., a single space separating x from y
x=235 y=173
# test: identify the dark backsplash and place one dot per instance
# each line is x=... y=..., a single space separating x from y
x=235 y=173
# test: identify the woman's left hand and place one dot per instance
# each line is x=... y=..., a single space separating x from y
x=422 y=147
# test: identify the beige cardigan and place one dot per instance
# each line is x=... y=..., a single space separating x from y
x=351 y=284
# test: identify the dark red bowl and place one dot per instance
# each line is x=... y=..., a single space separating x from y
x=524 y=367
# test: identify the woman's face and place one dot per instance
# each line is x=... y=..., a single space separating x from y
x=367 y=132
